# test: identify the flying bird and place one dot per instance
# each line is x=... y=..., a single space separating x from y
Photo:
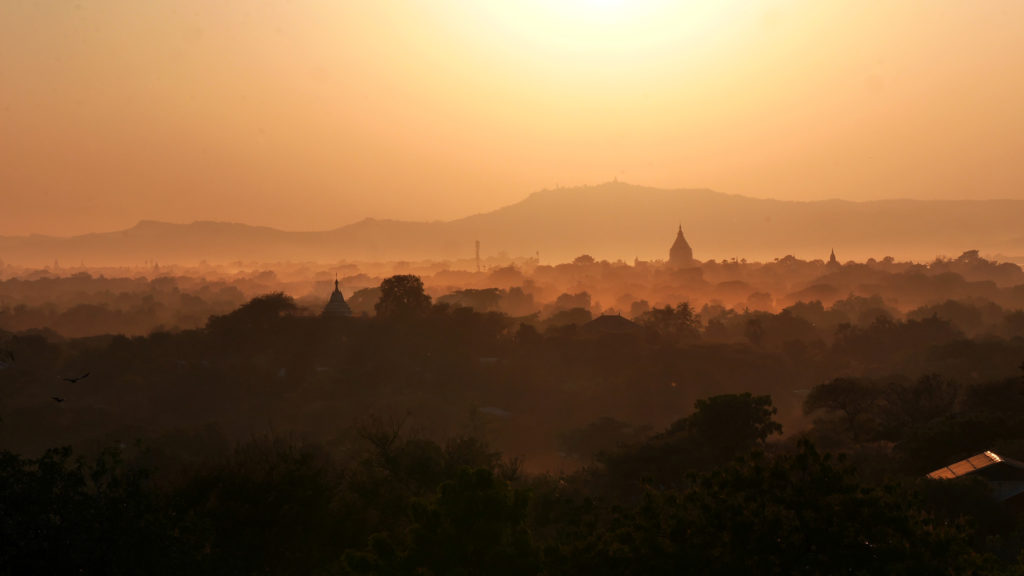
x=73 y=380
x=57 y=399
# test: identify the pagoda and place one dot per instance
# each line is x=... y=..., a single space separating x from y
x=336 y=306
x=681 y=255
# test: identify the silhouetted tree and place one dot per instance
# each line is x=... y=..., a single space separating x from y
x=568 y=301
x=486 y=300
x=402 y=296
x=572 y=316
x=731 y=424
x=364 y=301
x=915 y=404
x=639 y=308
x=851 y=403
x=677 y=323
x=517 y=302
x=258 y=313
x=583 y=260
x=721 y=428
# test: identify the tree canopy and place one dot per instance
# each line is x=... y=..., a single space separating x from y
x=402 y=296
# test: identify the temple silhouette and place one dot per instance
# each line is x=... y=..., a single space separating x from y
x=681 y=255
x=336 y=307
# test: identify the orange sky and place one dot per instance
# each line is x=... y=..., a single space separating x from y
x=311 y=114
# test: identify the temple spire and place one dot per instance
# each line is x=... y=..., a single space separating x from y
x=681 y=255
x=337 y=306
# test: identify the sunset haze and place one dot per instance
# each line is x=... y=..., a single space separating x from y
x=310 y=115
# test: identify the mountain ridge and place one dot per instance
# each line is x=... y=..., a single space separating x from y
x=612 y=221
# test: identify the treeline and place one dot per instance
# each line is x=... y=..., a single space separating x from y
x=81 y=305
x=505 y=445
x=708 y=495
x=531 y=386
x=978 y=296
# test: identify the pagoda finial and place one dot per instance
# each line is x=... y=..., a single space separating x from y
x=336 y=282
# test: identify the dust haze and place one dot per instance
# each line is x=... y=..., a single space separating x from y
x=587 y=378
x=514 y=287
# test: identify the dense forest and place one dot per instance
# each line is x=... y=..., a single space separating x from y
x=491 y=429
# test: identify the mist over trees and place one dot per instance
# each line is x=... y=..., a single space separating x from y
x=589 y=417
x=977 y=295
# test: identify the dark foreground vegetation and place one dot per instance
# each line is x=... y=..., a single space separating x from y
x=686 y=500
x=435 y=439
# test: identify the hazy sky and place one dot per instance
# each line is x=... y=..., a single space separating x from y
x=311 y=114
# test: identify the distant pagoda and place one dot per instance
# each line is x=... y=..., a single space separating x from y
x=336 y=306
x=681 y=255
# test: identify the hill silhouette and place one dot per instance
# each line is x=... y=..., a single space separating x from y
x=609 y=221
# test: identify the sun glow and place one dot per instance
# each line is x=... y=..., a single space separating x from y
x=434 y=109
x=606 y=5
x=612 y=26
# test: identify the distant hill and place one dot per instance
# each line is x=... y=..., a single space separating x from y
x=609 y=221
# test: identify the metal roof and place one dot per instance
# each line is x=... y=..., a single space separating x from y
x=973 y=464
x=1004 y=475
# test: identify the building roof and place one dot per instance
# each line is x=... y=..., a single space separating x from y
x=611 y=324
x=1004 y=475
x=964 y=467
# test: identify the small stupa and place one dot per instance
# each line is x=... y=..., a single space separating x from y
x=336 y=306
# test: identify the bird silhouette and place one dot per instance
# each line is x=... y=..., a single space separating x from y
x=57 y=399
x=73 y=380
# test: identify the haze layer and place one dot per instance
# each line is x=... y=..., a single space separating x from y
x=308 y=115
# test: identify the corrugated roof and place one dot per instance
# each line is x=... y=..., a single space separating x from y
x=1004 y=476
x=976 y=462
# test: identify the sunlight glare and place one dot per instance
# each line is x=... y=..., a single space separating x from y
x=611 y=27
